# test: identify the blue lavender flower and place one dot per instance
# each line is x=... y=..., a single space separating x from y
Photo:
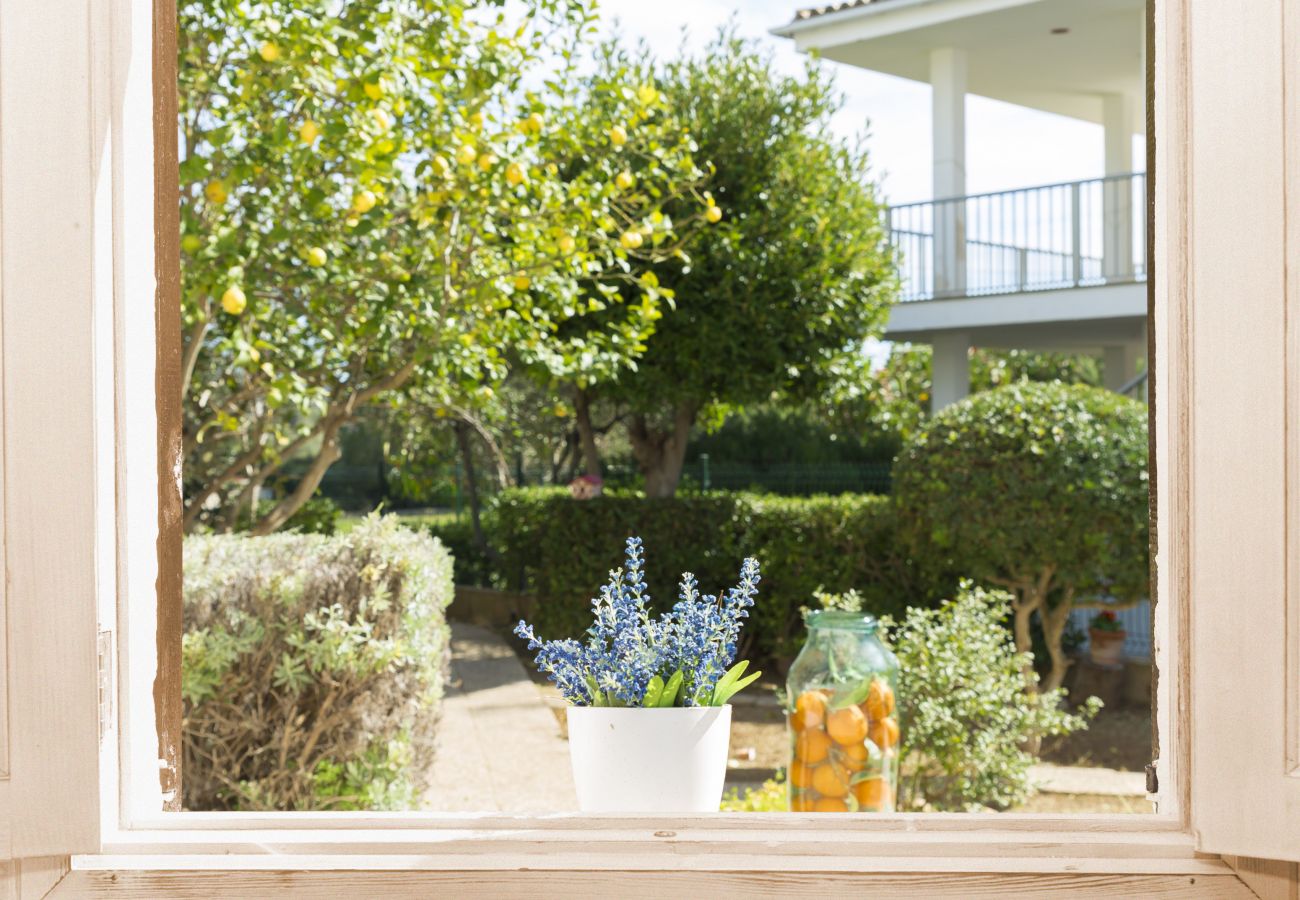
x=626 y=648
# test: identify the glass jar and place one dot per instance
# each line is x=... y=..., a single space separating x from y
x=843 y=718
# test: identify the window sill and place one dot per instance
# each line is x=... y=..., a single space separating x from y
x=405 y=842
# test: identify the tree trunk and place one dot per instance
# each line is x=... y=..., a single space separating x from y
x=471 y=480
x=328 y=454
x=586 y=434
x=1054 y=621
x=661 y=452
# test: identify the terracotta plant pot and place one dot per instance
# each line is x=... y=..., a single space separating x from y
x=649 y=760
x=1106 y=648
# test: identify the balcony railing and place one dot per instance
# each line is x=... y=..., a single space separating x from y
x=1075 y=234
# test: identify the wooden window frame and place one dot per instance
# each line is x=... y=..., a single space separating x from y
x=143 y=845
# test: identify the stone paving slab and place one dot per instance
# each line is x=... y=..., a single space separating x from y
x=499 y=748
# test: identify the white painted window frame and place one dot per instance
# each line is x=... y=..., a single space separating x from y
x=125 y=831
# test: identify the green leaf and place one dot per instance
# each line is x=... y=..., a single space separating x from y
x=652 y=693
x=727 y=680
x=853 y=695
x=671 y=690
x=721 y=697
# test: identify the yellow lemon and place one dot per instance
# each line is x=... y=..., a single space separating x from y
x=713 y=214
x=364 y=201
x=522 y=282
x=233 y=300
x=316 y=257
x=269 y=51
x=476 y=120
x=466 y=154
x=618 y=135
x=487 y=161
x=566 y=244
x=624 y=180
x=441 y=167
x=308 y=132
x=646 y=94
x=215 y=191
x=533 y=124
x=515 y=174
x=374 y=90
x=631 y=240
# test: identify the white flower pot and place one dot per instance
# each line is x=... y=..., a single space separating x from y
x=649 y=760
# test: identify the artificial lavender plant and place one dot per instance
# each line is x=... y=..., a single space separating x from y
x=630 y=658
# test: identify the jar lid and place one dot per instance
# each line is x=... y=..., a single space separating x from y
x=842 y=620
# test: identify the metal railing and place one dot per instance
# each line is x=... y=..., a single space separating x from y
x=1074 y=234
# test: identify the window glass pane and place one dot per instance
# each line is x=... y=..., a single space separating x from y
x=481 y=303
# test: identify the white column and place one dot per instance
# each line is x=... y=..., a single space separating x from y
x=1119 y=365
x=948 y=83
x=1117 y=195
x=949 y=369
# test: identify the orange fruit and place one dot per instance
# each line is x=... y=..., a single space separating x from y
x=884 y=733
x=853 y=757
x=830 y=804
x=847 y=725
x=830 y=780
x=873 y=793
x=809 y=711
x=801 y=802
x=812 y=746
x=800 y=775
x=880 y=699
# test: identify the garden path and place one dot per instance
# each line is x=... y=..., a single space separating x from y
x=499 y=747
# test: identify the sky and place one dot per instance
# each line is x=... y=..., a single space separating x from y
x=1006 y=146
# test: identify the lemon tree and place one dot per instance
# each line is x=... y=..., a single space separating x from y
x=380 y=196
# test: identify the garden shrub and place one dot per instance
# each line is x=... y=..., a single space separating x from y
x=967 y=713
x=313 y=668
x=562 y=549
x=1037 y=488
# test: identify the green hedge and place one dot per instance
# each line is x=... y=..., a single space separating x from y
x=313 y=668
x=562 y=549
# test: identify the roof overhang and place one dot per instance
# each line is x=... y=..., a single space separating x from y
x=1012 y=51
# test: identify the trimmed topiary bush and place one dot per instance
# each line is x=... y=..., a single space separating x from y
x=558 y=548
x=313 y=668
x=1038 y=488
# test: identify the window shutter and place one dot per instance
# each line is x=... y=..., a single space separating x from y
x=1234 y=169
x=56 y=431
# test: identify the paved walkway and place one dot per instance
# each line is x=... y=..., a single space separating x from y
x=1086 y=780
x=499 y=747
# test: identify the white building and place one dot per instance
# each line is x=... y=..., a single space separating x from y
x=1048 y=267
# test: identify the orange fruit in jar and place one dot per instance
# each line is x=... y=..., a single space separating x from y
x=830 y=780
x=812 y=746
x=801 y=802
x=847 y=726
x=800 y=775
x=873 y=793
x=809 y=711
x=884 y=733
x=830 y=804
x=880 y=699
x=853 y=756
